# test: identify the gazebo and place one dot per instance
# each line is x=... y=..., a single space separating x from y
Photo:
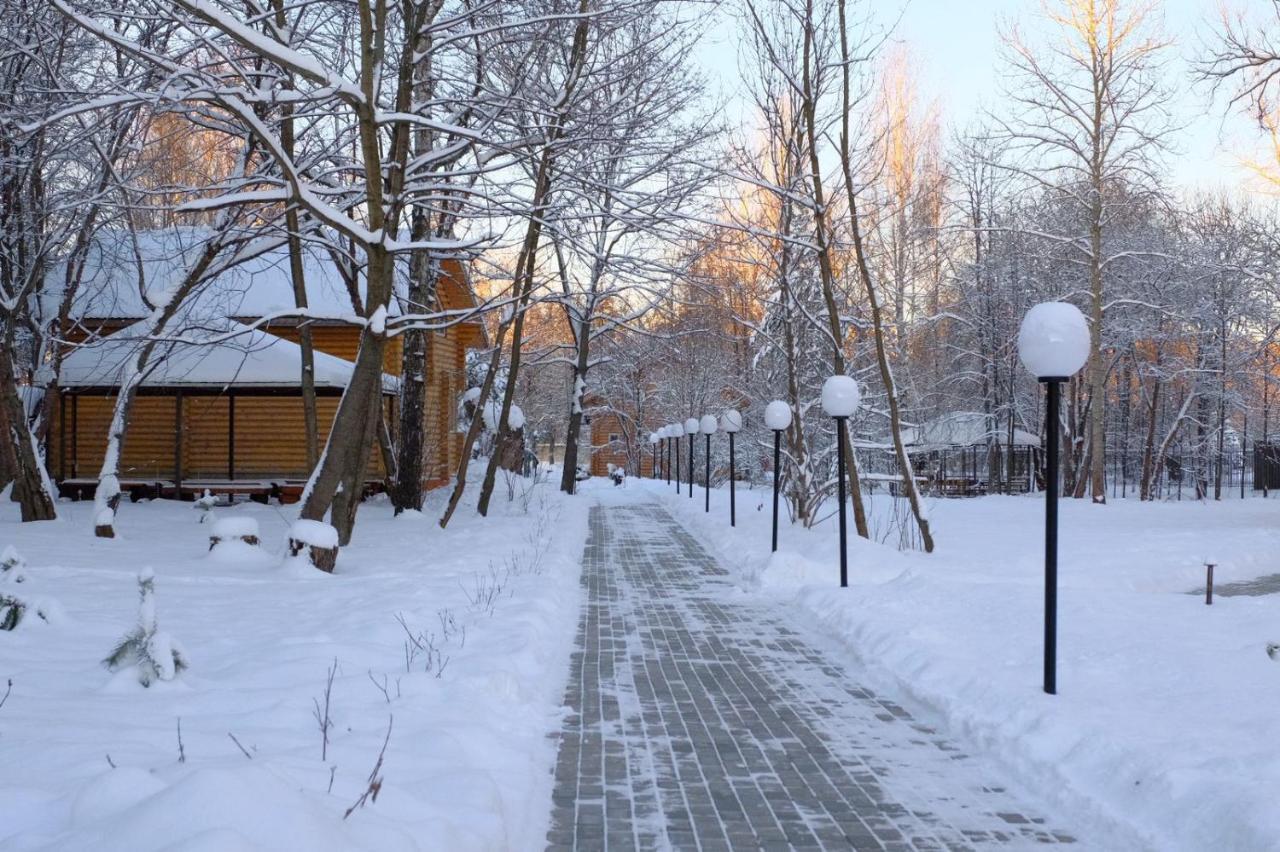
x=960 y=455
x=219 y=409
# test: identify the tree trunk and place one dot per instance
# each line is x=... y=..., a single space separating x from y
x=407 y=490
x=477 y=425
x=31 y=487
x=825 y=266
x=523 y=284
x=1148 y=451
x=864 y=272
x=573 y=436
x=338 y=481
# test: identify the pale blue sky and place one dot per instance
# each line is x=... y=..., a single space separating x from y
x=956 y=45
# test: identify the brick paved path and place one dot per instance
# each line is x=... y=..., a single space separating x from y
x=700 y=719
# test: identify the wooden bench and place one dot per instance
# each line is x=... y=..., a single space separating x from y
x=289 y=491
x=137 y=489
x=258 y=491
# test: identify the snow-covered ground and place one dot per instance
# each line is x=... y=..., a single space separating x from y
x=92 y=760
x=1167 y=715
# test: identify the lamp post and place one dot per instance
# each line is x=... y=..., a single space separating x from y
x=1053 y=344
x=730 y=424
x=691 y=427
x=708 y=427
x=653 y=442
x=777 y=416
x=665 y=431
x=676 y=432
x=840 y=398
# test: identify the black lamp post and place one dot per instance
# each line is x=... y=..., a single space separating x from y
x=1053 y=344
x=666 y=450
x=676 y=432
x=730 y=423
x=691 y=427
x=653 y=442
x=707 y=425
x=777 y=416
x=840 y=396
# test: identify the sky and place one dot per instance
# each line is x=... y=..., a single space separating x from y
x=955 y=46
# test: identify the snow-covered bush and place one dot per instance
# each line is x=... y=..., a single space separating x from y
x=154 y=653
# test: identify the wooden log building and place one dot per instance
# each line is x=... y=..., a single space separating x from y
x=224 y=414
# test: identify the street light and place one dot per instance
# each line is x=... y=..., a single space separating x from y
x=777 y=416
x=730 y=424
x=1053 y=344
x=691 y=427
x=708 y=427
x=653 y=442
x=665 y=432
x=675 y=430
x=840 y=397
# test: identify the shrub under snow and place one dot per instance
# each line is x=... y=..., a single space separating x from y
x=14 y=607
x=154 y=653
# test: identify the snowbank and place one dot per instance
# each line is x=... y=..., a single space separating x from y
x=468 y=764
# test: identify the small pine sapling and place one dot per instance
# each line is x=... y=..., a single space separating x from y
x=14 y=607
x=204 y=505
x=12 y=566
x=12 y=610
x=155 y=654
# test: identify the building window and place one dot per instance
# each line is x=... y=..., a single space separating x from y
x=613 y=437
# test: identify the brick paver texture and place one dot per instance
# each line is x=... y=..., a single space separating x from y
x=699 y=717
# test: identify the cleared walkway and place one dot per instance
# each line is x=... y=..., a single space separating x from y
x=700 y=719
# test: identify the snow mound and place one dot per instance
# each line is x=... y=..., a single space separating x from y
x=235 y=526
x=314 y=533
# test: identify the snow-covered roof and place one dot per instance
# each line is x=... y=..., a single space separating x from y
x=259 y=286
x=964 y=429
x=252 y=358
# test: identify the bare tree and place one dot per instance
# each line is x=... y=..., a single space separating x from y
x=1089 y=122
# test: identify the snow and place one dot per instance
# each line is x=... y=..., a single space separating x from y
x=235 y=526
x=840 y=396
x=707 y=425
x=492 y=412
x=1165 y=715
x=515 y=418
x=314 y=533
x=691 y=426
x=1053 y=340
x=250 y=358
x=731 y=421
x=469 y=762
